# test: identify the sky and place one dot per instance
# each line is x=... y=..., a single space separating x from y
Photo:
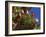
x=36 y=11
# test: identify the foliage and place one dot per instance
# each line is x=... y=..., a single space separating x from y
x=26 y=19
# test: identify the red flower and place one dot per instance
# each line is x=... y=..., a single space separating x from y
x=33 y=14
